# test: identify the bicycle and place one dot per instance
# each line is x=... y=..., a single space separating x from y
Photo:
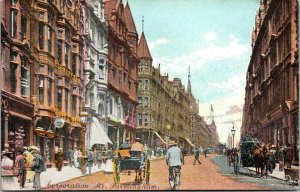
x=174 y=177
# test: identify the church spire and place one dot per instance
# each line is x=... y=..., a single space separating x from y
x=189 y=86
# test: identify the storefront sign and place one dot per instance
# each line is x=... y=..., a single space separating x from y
x=59 y=122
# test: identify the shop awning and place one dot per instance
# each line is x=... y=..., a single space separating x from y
x=187 y=139
x=97 y=134
x=160 y=137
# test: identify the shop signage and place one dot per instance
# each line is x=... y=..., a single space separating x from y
x=59 y=122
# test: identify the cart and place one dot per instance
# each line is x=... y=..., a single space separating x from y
x=126 y=160
x=291 y=176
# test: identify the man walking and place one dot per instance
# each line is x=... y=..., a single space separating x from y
x=71 y=157
x=99 y=158
x=38 y=167
x=197 y=155
x=89 y=162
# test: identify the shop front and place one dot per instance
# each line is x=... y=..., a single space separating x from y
x=16 y=119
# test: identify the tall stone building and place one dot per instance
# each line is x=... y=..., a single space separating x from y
x=166 y=111
x=95 y=73
x=272 y=90
x=19 y=58
x=42 y=74
x=122 y=72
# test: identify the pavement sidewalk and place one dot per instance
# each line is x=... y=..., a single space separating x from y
x=276 y=173
x=52 y=176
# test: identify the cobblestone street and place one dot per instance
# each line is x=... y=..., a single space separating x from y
x=194 y=177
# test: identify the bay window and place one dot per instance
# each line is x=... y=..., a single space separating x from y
x=41 y=89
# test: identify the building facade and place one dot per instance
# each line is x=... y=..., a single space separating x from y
x=122 y=72
x=166 y=111
x=95 y=73
x=42 y=70
x=272 y=90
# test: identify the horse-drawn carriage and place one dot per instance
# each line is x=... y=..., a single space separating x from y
x=128 y=160
x=247 y=146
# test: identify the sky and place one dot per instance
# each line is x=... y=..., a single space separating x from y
x=213 y=37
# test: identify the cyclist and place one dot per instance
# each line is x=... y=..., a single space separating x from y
x=174 y=160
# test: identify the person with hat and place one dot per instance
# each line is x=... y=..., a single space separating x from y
x=174 y=158
x=197 y=155
x=7 y=168
x=38 y=168
x=6 y=161
x=29 y=163
x=89 y=162
x=59 y=159
x=125 y=145
x=137 y=146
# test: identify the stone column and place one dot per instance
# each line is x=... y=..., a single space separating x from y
x=6 y=145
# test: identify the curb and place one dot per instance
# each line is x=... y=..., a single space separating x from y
x=268 y=175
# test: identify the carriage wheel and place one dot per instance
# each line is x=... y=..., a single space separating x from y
x=148 y=171
x=116 y=171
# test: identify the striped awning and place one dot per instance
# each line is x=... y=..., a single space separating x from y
x=187 y=139
x=160 y=137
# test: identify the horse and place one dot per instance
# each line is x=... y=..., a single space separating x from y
x=261 y=157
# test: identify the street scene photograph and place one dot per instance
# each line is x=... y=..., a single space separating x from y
x=155 y=95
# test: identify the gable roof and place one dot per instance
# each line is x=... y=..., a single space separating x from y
x=143 y=49
x=109 y=5
x=129 y=19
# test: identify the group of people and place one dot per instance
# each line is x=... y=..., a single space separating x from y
x=28 y=164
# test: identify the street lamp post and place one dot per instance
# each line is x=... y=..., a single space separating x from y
x=83 y=119
x=233 y=133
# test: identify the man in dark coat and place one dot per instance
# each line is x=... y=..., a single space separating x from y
x=38 y=167
x=197 y=155
x=71 y=157
x=125 y=145
x=89 y=162
x=288 y=155
x=22 y=172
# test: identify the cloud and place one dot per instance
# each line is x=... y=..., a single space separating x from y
x=233 y=110
x=210 y=36
x=232 y=83
x=161 y=41
x=205 y=54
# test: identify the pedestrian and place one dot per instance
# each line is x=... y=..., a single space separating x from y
x=108 y=164
x=29 y=161
x=76 y=158
x=281 y=158
x=59 y=159
x=197 y=155
x=89 y=162
x=79 y=158
x=6 y=167
x=288 y=155
x=205 y=153
x=17 y=159
x=38 y=168
x=71 y=157
x=22 y=170
x=99 y=158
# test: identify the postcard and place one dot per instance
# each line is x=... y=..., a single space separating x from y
x=154 y=95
